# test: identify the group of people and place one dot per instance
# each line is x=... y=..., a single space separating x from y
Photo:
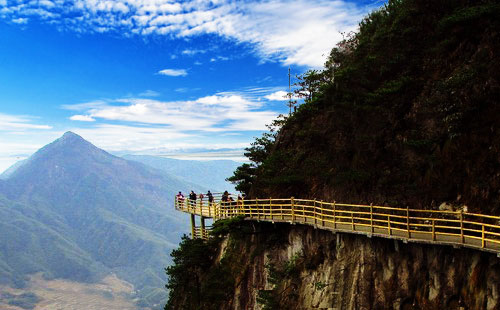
x=193 y=196
x=226 y=197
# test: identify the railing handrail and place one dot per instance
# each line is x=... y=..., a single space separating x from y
x=433 y=226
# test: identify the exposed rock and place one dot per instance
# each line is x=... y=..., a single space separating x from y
x=343 y=271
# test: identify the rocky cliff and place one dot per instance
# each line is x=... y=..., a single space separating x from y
x=281 y=266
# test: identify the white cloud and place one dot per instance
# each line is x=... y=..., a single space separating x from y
x=20 y=20
x=298 y=32
x=222 y=120
x=82 y=118
x=277 y=96
x=173 y=72
x=19 y=137
x=3 y=2
x=128 y=137
x=83 y=106
x=192 y=52
x=216 y=113
x=149 y=93
x=19 y=123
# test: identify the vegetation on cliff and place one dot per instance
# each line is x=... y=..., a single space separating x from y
x=405 y=112
x=259 y=265
x=198 y=278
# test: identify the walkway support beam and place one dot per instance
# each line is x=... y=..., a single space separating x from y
x=203 y=230
x=193 y=226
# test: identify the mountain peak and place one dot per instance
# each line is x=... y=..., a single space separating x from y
x=71 y=140
x=69 y=135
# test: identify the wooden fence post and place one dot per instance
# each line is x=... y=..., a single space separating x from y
x=281 y=211
x=315 y=219
x=408 y=221
x=334 y=217
x=483 y=242
x=322 y=218
x=304 y=213
x=352 y=221
x=293 y=209
x=371 y=217
x=462 y=226
x=433 y=230
x=271 y=208
x=258 y=208
x=389 y=224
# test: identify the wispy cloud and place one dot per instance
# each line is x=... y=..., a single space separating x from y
x=216 y=113
x=277 y=96
x=130 y=137
x=19 y=137
x=192 y=52
x=219 y=58
x=149 y=93
x=84 y=106
x=173 y=72
x=292 y=32
x=20 y=20
x=19 y=123
x=82 y=118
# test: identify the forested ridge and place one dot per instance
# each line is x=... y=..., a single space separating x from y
x=405 y=112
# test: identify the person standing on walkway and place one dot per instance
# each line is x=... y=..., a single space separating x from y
x=225 y=196
x=192 y=198
x=180 y=198
x=210 y=198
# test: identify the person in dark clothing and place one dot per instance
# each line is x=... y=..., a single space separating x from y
x=210 y=197
x=225 y=196
x=192 y=198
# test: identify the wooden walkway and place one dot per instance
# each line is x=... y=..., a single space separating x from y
x=458 y=228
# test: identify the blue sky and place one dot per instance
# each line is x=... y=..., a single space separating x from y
x=156 y=76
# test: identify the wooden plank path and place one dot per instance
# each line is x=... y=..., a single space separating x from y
x=456 y=228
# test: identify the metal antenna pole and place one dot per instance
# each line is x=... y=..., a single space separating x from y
x=289 y=93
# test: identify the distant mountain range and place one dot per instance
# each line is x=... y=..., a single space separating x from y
x=210 y=173
x=76 y=212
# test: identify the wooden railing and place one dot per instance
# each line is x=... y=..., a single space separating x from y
x=202 y=233
x=429 y=226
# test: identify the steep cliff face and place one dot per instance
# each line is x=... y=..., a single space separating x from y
x=281 y=266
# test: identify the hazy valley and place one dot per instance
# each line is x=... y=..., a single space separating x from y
x=76 y=213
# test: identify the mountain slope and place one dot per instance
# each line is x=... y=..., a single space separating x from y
x=86 y=213
x=7 y=173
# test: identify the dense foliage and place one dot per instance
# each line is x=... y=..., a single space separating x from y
x=405 y=112
x=197 y=279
